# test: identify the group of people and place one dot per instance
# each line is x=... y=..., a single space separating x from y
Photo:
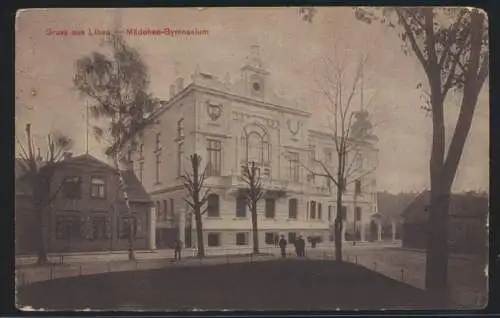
x=300 y=246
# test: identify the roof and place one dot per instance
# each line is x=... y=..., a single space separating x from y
x=390 y=205
x=136 y=191
x=462 y=205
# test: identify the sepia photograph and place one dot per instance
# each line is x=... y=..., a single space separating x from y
x=251 y=159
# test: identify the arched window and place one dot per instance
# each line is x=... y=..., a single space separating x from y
x=255 y=144
x=213 y=205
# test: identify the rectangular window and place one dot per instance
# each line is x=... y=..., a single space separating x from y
x=165 y=215
x=313 y=210
x=72 y=187
x=126 y=225
x=357 y=186
x=100 y=228
x=358 y=213
x=180 y=128
x=294 y=166
x=172 y=211
x=141 y=171
x=97 y=187
x=291 y=237
x=158 y=211
x=269 y=238
x=157 y=167
x=141 y=151
x=330 y=212
x=213 y=205
x=241 y=239
x=213 y=239
x=241 y=207
x=328 y=155
x=214 y=150
x=180 y=154
x=158 y=142
x=344 y=213
x=270 y=208
x=319 y=211
x=292 y=209
x=69 y=227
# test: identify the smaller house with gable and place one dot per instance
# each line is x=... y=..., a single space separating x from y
x=88 y=213
x=467 y=223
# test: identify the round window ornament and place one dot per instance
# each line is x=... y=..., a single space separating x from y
x=256 y=86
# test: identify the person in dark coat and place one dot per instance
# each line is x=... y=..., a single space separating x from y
x=297 y=247
x=282 y=244
x=301 y=247
x=177 y=250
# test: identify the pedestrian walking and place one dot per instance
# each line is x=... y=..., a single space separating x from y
x=301 y=246
x=282 y=244
x=178 y=250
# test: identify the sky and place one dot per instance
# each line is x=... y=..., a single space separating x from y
x=292 y=50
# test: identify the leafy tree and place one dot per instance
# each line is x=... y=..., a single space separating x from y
x=38 y=172
x=351 y=132
x=194 y=183
x=451 y=45
x=253 y=193
x=117 y=87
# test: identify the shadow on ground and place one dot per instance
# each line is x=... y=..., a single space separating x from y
x=271 y=285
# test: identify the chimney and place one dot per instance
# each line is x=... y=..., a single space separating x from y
x=67 y=155
x=180 y=84
x=172 y=91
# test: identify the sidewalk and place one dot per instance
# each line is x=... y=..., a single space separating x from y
x=113 y=256
x=31 y=274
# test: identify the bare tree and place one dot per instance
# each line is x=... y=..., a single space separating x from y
x=39 y=172
x=452 y=46
x=349 y=130
x=253 y=193
x=117 y=86
x=194 y=183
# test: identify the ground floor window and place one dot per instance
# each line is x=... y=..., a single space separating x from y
x=291 y=237
x=101 y=227
x=69 y=227
x=213 y=239
x=241 y=238
x=270 y=238
x=125 y=228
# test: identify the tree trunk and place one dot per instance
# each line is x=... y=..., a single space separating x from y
x=442 y=172
x=199 y=233
x=255 y=230
x=132 y=225
x=338 y=226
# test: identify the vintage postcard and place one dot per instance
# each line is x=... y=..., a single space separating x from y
x=312 y=158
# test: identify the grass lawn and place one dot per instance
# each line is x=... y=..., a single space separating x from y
x=270 y=285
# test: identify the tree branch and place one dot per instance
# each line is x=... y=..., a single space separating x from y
x=411 y=36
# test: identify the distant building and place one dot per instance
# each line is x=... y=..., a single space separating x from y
x=467 y=223
x=88 y=213
x=229 y=123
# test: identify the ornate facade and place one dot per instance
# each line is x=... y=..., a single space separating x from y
x=229 y=123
